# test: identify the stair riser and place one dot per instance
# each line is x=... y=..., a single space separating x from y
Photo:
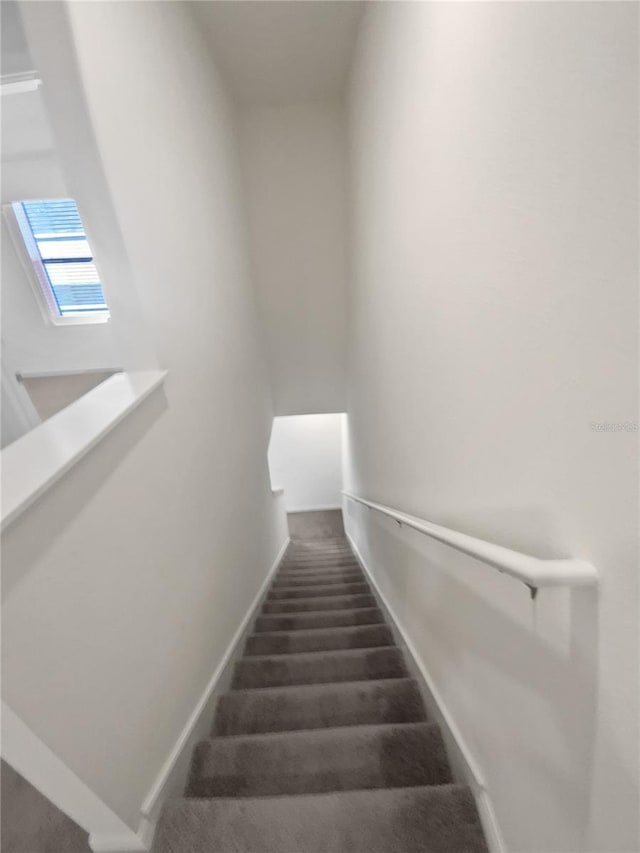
x=319 y=565
x=329 y=619
x=335 y=602
x=317 y=568
x=320 y=761
x=317 y=580
x=314 y=552
x=320 y=555
x=316 y=707
x=320 y=559
x=319 y=668
x=318 y=591
x=321 y=743
x=319 y=577
x=286 y=643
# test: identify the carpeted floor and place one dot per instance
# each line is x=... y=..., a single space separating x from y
x=32 y=824
x=322 y=745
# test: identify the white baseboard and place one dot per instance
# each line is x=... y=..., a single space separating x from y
x=464 y=765
x=125 y=843
x=31 y=758
x=171 y=779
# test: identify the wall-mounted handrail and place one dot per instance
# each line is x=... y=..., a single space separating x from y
x=532 y=571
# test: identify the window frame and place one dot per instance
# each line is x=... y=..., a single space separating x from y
x=26 y=246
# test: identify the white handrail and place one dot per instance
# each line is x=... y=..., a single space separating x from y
x=531 y=571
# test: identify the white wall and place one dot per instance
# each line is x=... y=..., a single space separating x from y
x=495 y=311
x=124 y=583
x=305 y=458
x=293 y=159
x=31 y=170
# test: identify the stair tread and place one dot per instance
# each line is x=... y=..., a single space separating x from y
x=328 y=565
x=326 y=557
x=310 y=706
x=317 y=603
x=319 y=667
x=319 y=591
x=325 y=734
x=324 y=571
x=322 y=743
x=286 y=688
x=318 y=552
x=297 y=621
x=319 y=631
x=318 y=639
x=317 y=760
x=314 y=654
x=421 y=819
x=332 y=574
x=318 y=580
x=318 y=567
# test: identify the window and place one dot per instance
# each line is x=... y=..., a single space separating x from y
x=50 y=237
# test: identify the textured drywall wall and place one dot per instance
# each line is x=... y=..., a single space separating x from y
x=494 y=328
x=294 y=166
x=124 y=584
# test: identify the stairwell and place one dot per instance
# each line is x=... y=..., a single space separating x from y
x=323 y=742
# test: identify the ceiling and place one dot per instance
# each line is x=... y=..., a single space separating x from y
x=275 y=51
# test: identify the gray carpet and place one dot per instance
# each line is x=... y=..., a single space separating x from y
x=323 y=744
x=32 y=824
x=324 y=524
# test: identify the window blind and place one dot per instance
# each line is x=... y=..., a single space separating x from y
x=66 y=256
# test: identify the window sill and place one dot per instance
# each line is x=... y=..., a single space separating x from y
x=38 y=459
x=76 y=320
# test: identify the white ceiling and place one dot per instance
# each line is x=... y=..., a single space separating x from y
x=273 y=51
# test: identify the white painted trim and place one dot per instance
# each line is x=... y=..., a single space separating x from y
x=464 y=760
x=20 y=83
x=173 y=775
x=119 y=843
x=34 y=462
x=53 y=374
x=323 y=508
x=32 y=759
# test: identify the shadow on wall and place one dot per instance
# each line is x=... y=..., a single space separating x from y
x=51 y=394
x=519 y=678
x=64 y=502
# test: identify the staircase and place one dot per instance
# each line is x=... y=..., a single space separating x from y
x=323 y=744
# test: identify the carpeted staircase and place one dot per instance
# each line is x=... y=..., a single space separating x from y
x=322 y=745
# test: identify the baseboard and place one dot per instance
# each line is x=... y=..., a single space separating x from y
x=125 y=843
x=464 y=765
x=171 y=779
x=40 y=766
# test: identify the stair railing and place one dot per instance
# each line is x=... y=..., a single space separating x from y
x=532 y=571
